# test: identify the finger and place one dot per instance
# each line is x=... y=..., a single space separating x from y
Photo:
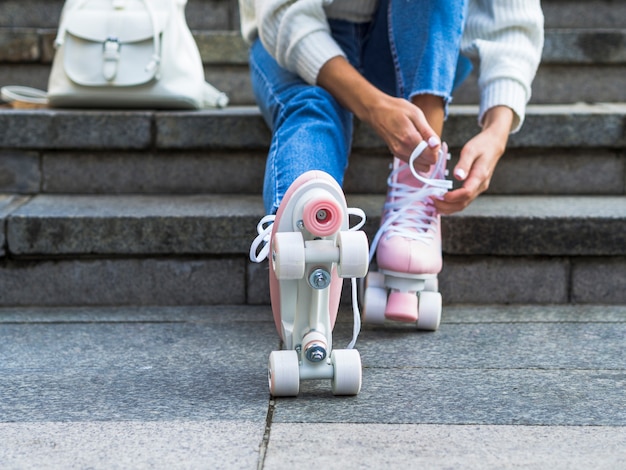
x=466 y=160
x=426 y=131
x=453 y=201
x=428 y=134
x=458 y=199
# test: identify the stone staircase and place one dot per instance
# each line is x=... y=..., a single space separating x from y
x=159 y=208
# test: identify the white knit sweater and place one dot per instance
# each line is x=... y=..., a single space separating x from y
x=505 y=36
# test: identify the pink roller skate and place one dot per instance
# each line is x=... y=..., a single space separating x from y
x=408 y=248
x=311 y=248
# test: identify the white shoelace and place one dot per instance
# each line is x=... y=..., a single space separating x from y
x=264 y=231
x=408 y=212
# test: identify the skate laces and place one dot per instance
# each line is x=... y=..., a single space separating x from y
x=408 y=211
x=264 y=230
x=262 y=240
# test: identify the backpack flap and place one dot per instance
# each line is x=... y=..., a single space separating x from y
x=113 y=47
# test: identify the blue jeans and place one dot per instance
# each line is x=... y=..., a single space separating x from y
x=409 y=48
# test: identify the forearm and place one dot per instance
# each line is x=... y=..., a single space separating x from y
x=400 y=123
x=349 y=87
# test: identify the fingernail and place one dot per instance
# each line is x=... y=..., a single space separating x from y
x=460 y=173
x=434 y=141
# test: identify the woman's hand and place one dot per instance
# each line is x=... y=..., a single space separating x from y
x=478 y=160
x=400 y=123
x=403 y=125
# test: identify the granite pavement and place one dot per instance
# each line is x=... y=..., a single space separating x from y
x=175 y=387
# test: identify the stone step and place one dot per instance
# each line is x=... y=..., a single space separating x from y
x=242 y=128
x=130 y=225
x=574 y=149
x=224 y=14
x=577 y=65
x=193 y=250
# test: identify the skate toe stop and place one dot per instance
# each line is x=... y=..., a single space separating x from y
x=402 y=306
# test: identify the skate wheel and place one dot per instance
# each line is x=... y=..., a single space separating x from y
x=402 y=306
x=373 y=279
x=322 y=216
x=348 y=371
x=288 y=257
x=431 y=285
x=374 y=303
x=283 y=373
x=429 y=313
x=353 y=254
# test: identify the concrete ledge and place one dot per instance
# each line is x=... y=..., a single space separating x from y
x=146 y=281
x=85 y=129
x=521 y=171
x=242 y=127
x=577 y=125
x=205 y=14
x=598 y=46
x=60 y=225
x=8 y=204
x=538 y=225
x=134 y=225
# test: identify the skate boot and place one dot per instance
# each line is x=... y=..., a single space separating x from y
x=310 y=249
x=408 y=248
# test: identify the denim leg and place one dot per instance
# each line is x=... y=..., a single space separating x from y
x=416 y=43
x=310 y=130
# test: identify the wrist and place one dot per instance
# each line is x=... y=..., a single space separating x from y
x=499 y=119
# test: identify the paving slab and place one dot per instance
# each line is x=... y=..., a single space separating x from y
x=127 y=444
x=376 y=446
x=185 y=387
x=151 y=371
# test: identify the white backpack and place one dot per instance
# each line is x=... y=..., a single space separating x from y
x=128 y=54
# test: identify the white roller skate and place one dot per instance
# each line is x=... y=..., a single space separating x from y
x=311 y=248
x=408 y=248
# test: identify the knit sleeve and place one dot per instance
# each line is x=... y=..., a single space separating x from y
x=506 y=37
x=297 y=35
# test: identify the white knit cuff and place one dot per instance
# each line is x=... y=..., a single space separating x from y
x=504 y=92
x=310 y=54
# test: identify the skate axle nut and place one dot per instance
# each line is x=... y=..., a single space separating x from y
x=319 y=279
x=315 y=352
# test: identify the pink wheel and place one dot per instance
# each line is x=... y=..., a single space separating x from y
x=322 y=216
